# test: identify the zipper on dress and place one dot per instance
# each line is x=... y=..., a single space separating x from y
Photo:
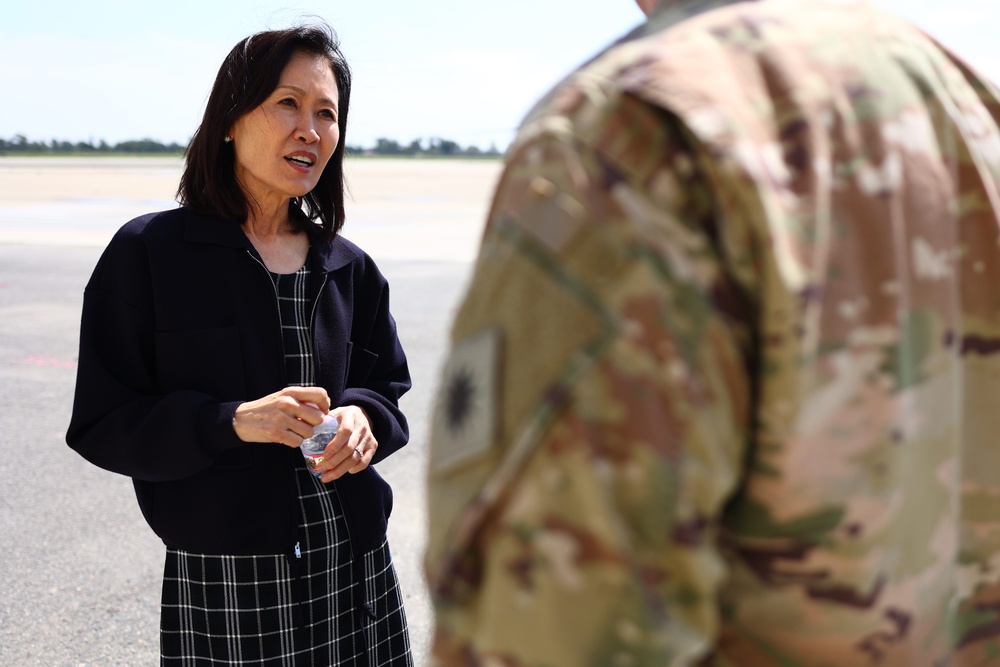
x=319 y=293
x=277 y=306
x=293 y=517
x=312 y=326
x=266 y=272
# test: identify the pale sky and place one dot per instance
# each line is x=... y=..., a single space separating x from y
x=456 y=69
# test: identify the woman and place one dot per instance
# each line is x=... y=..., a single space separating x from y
x=214 y=337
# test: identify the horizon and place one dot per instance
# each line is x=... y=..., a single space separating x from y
x=99 y=145
x=447 y=69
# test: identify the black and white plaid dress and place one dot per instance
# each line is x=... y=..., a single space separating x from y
x=306 y=607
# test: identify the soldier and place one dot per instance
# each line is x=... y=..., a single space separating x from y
x=722 y=390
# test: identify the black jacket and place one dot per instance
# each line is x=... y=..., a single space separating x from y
x=180 y=325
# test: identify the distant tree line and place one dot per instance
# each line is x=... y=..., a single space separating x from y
x=21 y=145
x=434 y=147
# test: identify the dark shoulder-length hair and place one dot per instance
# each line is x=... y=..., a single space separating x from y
x=247 y=77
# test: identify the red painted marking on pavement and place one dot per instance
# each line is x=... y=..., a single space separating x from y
x=47 y=361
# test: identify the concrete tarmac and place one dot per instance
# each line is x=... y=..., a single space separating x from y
x=80 y=572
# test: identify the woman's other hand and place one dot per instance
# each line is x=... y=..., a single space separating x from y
x=282 y=417
x=353 y=448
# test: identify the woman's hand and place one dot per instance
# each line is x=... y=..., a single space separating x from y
x=351 y=451
x=282 y=417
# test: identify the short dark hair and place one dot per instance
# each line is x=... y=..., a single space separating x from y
x=248 y=75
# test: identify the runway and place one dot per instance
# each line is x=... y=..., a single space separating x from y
x=80 y=574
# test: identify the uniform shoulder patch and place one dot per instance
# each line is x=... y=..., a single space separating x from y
x=465 y=416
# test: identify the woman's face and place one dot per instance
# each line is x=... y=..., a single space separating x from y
x=283 y=145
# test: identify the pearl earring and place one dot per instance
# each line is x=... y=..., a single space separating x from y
x=228 y=139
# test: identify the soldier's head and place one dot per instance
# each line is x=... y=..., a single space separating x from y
x=649 y=6
x=646 y=5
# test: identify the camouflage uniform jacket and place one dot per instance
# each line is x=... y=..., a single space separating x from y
x=725 y=386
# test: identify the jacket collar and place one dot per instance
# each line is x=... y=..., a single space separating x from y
x=213 y=230
x=330 y=255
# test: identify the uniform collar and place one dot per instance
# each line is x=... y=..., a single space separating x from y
x=685 y=8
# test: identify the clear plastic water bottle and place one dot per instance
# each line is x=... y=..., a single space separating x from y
x=313 y=446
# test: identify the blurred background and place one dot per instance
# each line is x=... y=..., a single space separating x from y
x=458 y=70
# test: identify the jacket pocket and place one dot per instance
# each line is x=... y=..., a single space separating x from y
x=209 y=361
x=360 y=363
